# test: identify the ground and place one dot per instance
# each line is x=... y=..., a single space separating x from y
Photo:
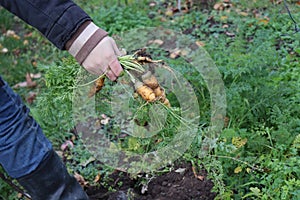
x=172 y=185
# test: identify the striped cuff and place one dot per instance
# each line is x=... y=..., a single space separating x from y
x=86 y=42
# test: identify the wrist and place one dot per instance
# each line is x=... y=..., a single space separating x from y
x=85 y=40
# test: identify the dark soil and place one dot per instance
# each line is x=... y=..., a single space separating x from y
x=169 y=186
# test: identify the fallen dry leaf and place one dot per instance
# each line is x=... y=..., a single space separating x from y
x=169 y=12
x=218 y=6
x=11 y=33
x=31 y=97
x=28 y=35
x=36 y=76
x=19 y=195
x=152 y=4
x=180 y=170
x=225 y=26
x=263 y=21
x=105 y=121
x=34 y=63
x=4 y=50
x=80 y=179
x=104 y=116
x=201 y=178
x=223 y=18
x=25 y=42
x=66 y=145
x=28 y=83
x=184 y=52
x=157 y=41
x=175 y=53
x=88 y=161
x=229 y=34
x=97 y=178
x=243 y=13
x=200 y=43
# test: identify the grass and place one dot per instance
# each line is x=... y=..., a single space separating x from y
x=257 y=154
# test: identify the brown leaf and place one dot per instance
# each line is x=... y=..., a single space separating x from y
x=80 y=179
x=66 y=145
x=19 y=195
x=152 y=4
x=34 y=63
x=218 y=6
x=225 y=26
x=169 y=12
x=243 y=14
x=25 y=42
x=201 y=178
x=11 y=33
x=31 y=97
x=38 y=75
x=157 y=41
x=105 y=121
x=229 y=34
x=28 y=83
x=263 y=21
x=97 y=178
x=104 y=116
x=223 y=18
x=28 y=35
x=175 y=53
x=88 y=161
x=200 y=43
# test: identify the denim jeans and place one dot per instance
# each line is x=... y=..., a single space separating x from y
x=23 y=145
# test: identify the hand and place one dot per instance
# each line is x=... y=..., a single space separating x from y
x=96 y=52
x=104 y=59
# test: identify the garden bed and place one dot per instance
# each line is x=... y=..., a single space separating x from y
x=178 y=184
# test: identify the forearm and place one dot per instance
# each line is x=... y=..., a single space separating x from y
x=58 y=20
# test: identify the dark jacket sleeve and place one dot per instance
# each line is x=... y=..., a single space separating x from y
x=58 y=20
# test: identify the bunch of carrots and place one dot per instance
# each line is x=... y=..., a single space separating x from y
x=147 y=87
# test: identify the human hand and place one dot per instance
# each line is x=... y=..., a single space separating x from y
x=104 y=59
x=97 y=52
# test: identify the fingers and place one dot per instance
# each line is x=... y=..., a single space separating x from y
x=104 y=59
x=115 y=69
x=114 y=64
